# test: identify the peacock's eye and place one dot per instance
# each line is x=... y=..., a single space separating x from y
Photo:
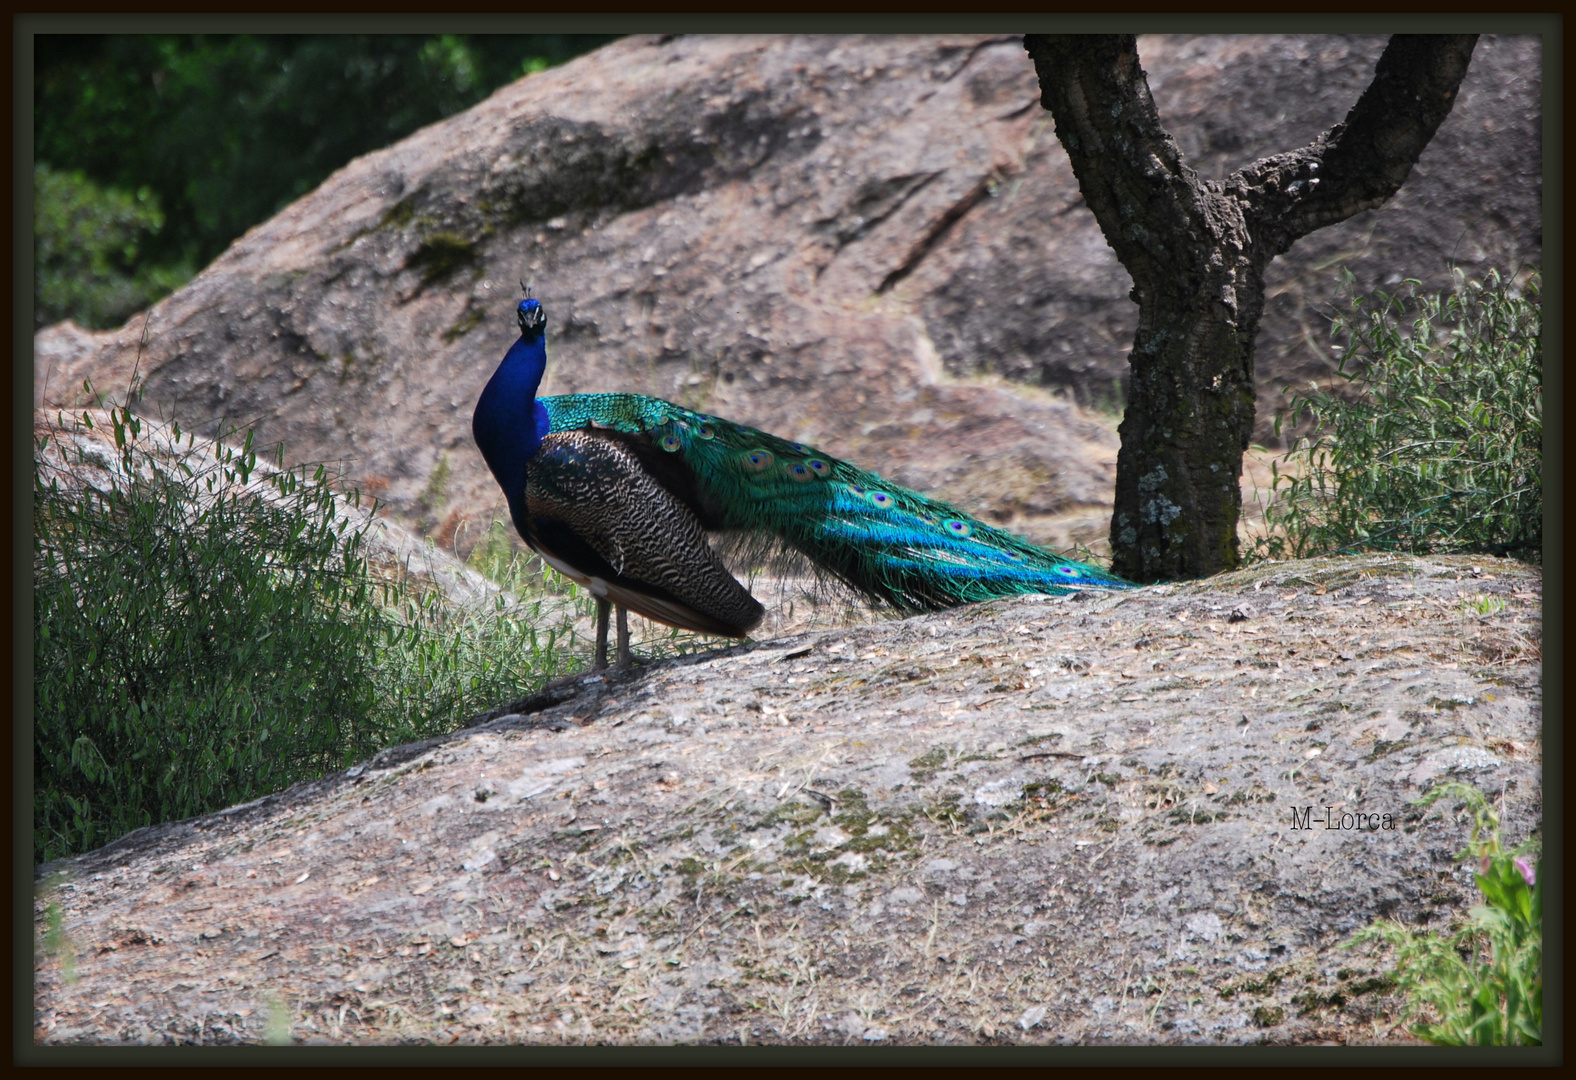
x=671 y=443
x=705 y=431
x=1068 y=571
x=819 y=467
x=880 y=498
x=958 y=528
x=799 y=447
x=758 y=460
x=1013 y=556
x=799 y=472
x=855 y=489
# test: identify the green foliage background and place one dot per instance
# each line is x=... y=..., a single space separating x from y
x=155 y=151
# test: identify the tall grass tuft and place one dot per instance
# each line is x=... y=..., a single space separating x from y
x=1438 y=446
x=439 y=663
x=1482 y=983
x=207 y=629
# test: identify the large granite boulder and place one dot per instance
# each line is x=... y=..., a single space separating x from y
x=1148 y=818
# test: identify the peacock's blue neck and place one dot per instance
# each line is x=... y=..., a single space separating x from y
x=509 y=423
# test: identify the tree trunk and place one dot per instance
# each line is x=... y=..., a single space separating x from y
x=1197 y=251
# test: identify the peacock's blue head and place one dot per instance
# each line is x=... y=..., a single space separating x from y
x=533 y=320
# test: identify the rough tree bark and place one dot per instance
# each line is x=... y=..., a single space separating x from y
x=1197 y=251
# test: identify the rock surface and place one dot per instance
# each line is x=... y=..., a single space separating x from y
x=1060 y=820
x=854 y=242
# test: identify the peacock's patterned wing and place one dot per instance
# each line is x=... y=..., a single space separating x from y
x=890 y=543
x=601 y=518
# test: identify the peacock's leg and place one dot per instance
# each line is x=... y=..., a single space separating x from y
x=600 y=662
x=623 y=639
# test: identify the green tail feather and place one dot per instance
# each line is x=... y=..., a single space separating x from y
x=892 y=544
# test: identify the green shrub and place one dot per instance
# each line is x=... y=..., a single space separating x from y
x=1439 y=448
x=1482 y=983
x=206 y=631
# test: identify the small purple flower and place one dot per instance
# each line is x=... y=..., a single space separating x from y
x=1484 y=864
x=1526 y=872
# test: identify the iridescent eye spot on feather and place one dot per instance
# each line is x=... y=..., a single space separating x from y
x=819 y=467
x=799 y=448
x=881 y=499
x=670 y=443
x=706 y=431
x=1013 y=556
x=758 y=460
x=1068 y=571
x=958 y=528
x=856 y=490
x=798 y=471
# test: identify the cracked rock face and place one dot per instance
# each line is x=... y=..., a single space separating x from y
x=1146 y=818
x=848 y=241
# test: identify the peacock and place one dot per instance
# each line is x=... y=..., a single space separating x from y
x=621 y=493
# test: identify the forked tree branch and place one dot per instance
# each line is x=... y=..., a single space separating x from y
x=1130 y=169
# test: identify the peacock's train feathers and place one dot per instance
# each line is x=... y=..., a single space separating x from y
x=889 y=543
x=620 y=492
